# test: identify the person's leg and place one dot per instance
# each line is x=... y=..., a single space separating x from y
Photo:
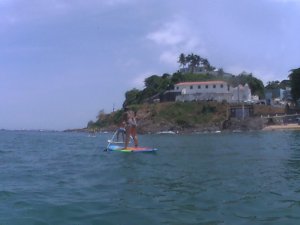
x=134 y=135
x=127 y=130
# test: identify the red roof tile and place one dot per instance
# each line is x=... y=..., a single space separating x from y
x=201 y=82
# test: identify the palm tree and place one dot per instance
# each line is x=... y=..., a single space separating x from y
x=194 y=61
x=182 y=60
x=205 y=63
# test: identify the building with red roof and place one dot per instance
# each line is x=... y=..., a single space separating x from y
x=211 y=91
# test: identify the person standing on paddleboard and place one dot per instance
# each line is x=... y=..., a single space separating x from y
x=130 y=126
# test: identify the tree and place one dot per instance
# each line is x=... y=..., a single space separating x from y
x=153 y=82
x=205 y=63
x=256 y=85
x=177 y=78
x=182 y=60
x=102 y=119
x=155 y=85
x=294 y=77
x=131 y=97
x=273 y=84
x=194 y=61
x=101 y=115
x=90 y=124
x=220 y=72
x=285 y=83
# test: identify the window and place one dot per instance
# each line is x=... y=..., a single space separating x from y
x=221 y=85
x=191 y=87
x=214 y=86
x=199 y=86
x=177 y=88
x=206 y=86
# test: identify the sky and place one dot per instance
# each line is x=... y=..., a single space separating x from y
x=63 y=61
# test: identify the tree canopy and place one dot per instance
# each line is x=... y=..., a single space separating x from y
x=278 y=84
x=156 y=85
x=131 y=97
x=294 y=77
x=255 y=84
x=193 y=61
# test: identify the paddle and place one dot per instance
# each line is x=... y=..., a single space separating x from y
x=111 y=140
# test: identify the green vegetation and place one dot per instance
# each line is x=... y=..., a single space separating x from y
x=295 y=83
x=189 y=114
x=193 y=61
x=178 y=115
x=278 y=84
x=105 y=120
x=156 y=85
x=256 y=85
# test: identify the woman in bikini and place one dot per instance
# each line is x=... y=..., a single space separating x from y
x=130 y=126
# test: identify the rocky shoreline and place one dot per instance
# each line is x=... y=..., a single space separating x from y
x=149 y=127
x=193 y=117
x=233 y=125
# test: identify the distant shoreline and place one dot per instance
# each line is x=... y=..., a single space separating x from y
x=292 y=126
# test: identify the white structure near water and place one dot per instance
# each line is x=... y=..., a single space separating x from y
x=241 y=93
x=212 y=91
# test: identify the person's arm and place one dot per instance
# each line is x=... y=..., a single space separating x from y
x=124 y=118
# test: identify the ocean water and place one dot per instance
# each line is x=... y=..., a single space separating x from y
x=225 y=178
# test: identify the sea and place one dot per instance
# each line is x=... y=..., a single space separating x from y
x=242 y=178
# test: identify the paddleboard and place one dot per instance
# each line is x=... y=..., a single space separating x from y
x=115 y=142
x=120 y=148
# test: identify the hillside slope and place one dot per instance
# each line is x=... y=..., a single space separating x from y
x=185 y=117
x=181 y=116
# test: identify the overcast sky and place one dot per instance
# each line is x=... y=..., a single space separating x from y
x=62 y=61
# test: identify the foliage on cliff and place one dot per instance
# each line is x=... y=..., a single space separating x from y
x=167 y=116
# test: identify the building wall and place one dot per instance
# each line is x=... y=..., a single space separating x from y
x=212 y=90
x=241 y=93
x=277 y=93
x=204 y=97
x=202 y=87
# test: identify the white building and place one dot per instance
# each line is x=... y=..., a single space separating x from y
x=211 y=90
x=241 y=93
x=204 y=90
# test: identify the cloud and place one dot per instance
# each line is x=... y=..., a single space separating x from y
x=175 y=33
x=13 y=11
x=174 y=38
x=286 y=1
x=293 y=3
x=94 y=45
x=169 y=57
x=169 y=34
x=116 y=2
x=128 y=63
x=264 y=73
x=138 y=81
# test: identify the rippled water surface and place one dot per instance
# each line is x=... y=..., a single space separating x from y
x=67 y=178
